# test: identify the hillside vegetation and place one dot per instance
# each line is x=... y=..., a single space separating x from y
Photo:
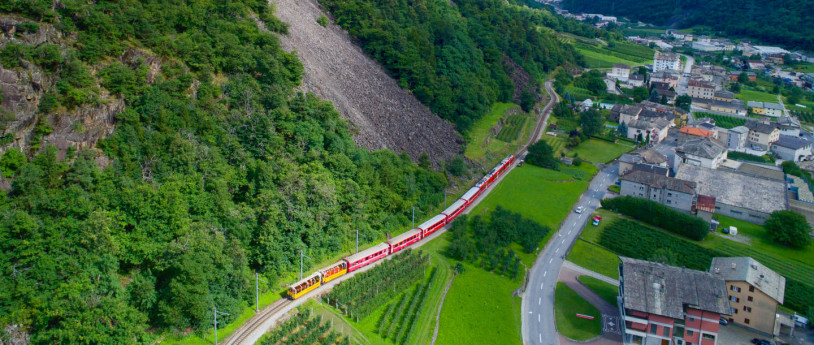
x=781 y=22
x=216 y=168
x=457 y=58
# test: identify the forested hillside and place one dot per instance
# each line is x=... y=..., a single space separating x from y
x=774 y=21
x=216 y=168
x=453 y=55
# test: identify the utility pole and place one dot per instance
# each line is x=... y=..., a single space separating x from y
x=302 y=256
x=413 y=217
x=257 y=290
x=215 y=313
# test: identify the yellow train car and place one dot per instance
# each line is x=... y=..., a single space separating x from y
x=304 y=286
x=335 y=271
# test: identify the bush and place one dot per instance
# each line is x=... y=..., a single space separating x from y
x=323 y=20
x=659 y=215
x=542 y=155
x=788 y=228
x=457 y=166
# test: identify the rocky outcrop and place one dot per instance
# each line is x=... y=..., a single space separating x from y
x=14 y=335
x=384 y=115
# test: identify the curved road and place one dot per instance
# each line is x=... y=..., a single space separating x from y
x=249 y=332
x=539 y=327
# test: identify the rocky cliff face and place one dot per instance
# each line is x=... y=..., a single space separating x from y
x=384 y=115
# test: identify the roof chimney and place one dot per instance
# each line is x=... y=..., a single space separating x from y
x=734 y=265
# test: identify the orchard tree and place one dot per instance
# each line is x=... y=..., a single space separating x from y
x=788 y=228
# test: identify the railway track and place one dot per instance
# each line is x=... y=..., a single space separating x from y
x=254 y=328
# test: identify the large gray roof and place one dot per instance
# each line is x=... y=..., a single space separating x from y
x=660 y=181
x=749 y=270
x=793 y=143
x=760 y=127
x=664 y=290
x=702 y=147
x=650 y=156
x=732 y=188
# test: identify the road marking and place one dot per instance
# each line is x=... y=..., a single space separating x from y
x=541 y=337
x=538 y=317
x=569 y=232
x=550 y=260
x=544 y=273
x=558 y=250
x=540 y=301
x=541 y=284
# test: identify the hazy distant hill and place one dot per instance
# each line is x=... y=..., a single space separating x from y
x=783 y=22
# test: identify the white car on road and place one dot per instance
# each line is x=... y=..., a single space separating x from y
x=579 y=209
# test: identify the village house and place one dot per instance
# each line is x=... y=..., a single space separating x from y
x=733 y=107
x=635 y=80
x=620 y=72
x=651 y=130
x=705 y=152
x=641 y=157
x=762 y=134
x=734 y=75
x=665 y=77
x=700 y=89
x=663 y=304
x=754 y=292
x=755 y=64
x=766 y=108
x=666 y=62
x=791 y=148
x=658 y=187
x=691 y=133
x=734 y=138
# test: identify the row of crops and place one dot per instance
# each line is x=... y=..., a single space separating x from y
x=805 y=116
x=628 y=238
x=361 y=295
x=303 y=329
x=722 y=121
x=631 y=52
x=511 y=129
x=398 y=323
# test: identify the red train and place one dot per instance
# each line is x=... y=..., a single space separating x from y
x=381 y=250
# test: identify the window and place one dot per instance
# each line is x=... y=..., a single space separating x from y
x=751 y=289
x=735 y=288
x=654 y=329
x=669 y=202
x=666 y=332
x=734 y=299
x=735 y=212
x=747 y=309
x=746 y=321
x=669 y=194
x=749 y=298
x=689 y=332
x=733 y=311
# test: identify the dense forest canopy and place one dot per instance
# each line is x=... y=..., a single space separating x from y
x=787 y=23
x=453 y=55
x=218 y=169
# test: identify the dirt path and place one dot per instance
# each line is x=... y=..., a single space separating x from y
x=384 y=115
x=441 y=306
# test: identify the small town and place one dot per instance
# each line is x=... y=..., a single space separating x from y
x=366 y=172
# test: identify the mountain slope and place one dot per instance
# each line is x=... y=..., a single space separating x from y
x=781 y=22
x=384 y=115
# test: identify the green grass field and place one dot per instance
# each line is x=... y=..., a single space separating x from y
x=722 y=121
x=602 y=60
x=607 y=291
x=557 y=143
x=757 y=96
x=567 y=303
x=595 y=258
x=480 y=309
x=600 y=151
x=543 y=195
x=480 y=130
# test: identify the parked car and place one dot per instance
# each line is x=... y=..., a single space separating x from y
x=723 y=321
x=579 y=209
x=596 y=222
x=800 y=321
x=757 y=341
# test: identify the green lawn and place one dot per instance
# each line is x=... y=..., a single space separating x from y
x=600 y=151
x=757 y=96
x=604 y=60
x=542 y=195
x=557 y=143
x=480 y=130
x=480 y=309
x=567 y=303
x=595 y=258
x=607 y=291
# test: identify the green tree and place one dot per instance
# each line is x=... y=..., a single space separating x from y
x=542 y=155
x=743 y=78
x=640 y=94
x=736 y=87
x=527 y=101
x=592 y=122
x=11 y=162
x=788 y=228
x=457 y=166
x=684 y=102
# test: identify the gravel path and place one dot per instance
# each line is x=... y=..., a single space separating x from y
x=384 y=115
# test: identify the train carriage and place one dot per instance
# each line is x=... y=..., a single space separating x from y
x=505 y=164
x=454 y=210
x=471 y=195
x=367 y=256
x=302 y=287
x=402 y=241
x=335 y=271
x=433 y=224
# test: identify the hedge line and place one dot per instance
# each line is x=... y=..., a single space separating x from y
x=626 y=238
x=659 y=215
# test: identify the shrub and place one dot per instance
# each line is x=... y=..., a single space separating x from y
x=788 y=228
x=542 y=155
x=323 y=20
x=659 y=215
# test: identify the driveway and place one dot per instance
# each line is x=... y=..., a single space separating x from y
x=538 y=300
x=611 y=331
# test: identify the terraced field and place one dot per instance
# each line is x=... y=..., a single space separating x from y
x=511 y=129
x=722 y=121
x=556 y=143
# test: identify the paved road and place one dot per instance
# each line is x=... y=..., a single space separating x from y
x=682 y=80
x=538 y=300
